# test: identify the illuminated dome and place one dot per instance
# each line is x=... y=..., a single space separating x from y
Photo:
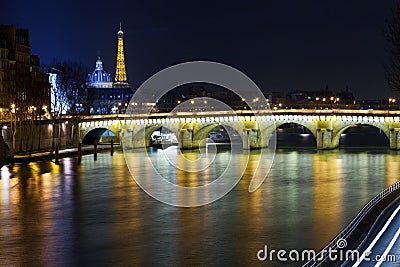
x=99 y=77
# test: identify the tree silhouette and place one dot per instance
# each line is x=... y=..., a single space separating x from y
x=70 y=93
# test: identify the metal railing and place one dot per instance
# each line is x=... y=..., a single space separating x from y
x=322 y=256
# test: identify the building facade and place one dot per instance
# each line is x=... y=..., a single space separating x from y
x=22 y=84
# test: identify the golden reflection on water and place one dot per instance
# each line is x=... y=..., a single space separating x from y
x=27 y=195
x=327 y=196
x=392 y=163
x=130 y=223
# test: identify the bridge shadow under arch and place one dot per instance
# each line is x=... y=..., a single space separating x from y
x=362 y=135
x=218 y=133
x=97 y=135
x=164 y=137
x=293 y=135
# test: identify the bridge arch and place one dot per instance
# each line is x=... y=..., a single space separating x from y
x=149 y=130
x=336 y=138
x=267 y=131
x=203 y=132
x=95 y=134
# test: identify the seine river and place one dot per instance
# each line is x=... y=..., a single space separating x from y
x=95 y=214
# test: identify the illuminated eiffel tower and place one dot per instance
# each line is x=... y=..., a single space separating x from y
x=120 y=72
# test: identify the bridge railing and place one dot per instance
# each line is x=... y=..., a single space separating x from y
x=323 y=255
x=244 y=113
x=308 y=112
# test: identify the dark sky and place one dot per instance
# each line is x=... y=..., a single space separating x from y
x=281 y=45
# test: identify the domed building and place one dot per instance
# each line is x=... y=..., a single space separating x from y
x=99 y=78
x=104 y=95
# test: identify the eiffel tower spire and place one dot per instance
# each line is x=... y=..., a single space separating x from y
x=120 y=72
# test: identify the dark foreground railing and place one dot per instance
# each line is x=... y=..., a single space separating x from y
x=360 y=224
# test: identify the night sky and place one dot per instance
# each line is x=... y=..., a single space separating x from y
x=281 y=45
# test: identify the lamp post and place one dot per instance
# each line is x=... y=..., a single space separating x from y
x=114 y=110
x=317 y=99
x=192 y=109
x=391 y=101
x=32 y=110
x=13 y=125
x=55 y=115
x=255 y=101
x=44 y=108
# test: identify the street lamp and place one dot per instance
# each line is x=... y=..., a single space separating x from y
x=114 y=109
x=44 y=108
x=32 y=110
x=391 y=101
x=317 y=99
x=255 y=100
x=13 y=126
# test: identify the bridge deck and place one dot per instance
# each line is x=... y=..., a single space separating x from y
x=347 y=112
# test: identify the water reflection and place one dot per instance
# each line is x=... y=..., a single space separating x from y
x=35 y=215
x=94 y=213
x=327 y=195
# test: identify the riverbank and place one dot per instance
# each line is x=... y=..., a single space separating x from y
x=63 y=153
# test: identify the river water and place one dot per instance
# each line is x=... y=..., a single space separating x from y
x=95 y=214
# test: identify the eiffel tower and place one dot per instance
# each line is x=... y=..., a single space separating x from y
x=120 y=72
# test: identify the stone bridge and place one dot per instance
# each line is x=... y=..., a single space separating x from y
x=192 y=127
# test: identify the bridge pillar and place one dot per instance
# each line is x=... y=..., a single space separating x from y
x=186 y=139
x=137 y=135
x=394 y=139
x=325 y=138
x=138 y=142
x=325 y=133
x=253 y=139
